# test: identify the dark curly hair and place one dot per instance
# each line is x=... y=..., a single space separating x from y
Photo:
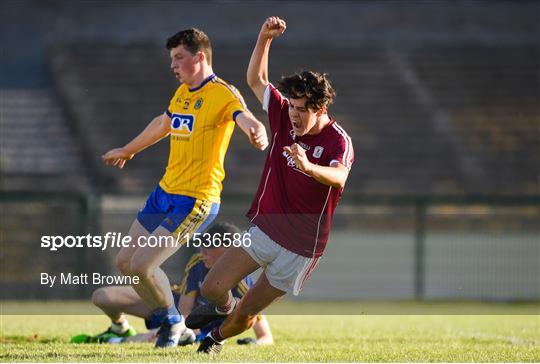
x=193 y=40
x=314 y=86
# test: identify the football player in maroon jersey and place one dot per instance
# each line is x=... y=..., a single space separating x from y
x=301 y=184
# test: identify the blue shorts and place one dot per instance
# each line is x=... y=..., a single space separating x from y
x=171 y=211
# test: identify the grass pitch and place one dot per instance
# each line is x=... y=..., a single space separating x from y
x=502 y=334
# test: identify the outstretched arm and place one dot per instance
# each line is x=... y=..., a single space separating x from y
x=257 y=73
x=253 y=128
x=158 y=128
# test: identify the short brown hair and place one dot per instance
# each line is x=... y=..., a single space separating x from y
x=194 y=40
x=316 y=87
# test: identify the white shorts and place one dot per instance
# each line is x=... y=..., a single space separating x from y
x=285 y=270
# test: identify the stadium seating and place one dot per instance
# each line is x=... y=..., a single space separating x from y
x=39 y=150
x=480 y=117
x=491 y=97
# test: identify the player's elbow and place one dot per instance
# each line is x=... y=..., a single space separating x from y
x=252 y=81
x=256 y=82
x=336 y=185
x=340 y=177
x=339 y=182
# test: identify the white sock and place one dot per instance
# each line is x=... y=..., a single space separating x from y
x=233 y=303
x=121 y=327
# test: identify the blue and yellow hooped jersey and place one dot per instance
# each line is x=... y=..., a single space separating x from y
x=202 y=122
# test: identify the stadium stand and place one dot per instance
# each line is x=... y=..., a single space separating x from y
x=456 y=142
x=437 y=99
x=111 y=93
x=38 y=148
x=491 y=97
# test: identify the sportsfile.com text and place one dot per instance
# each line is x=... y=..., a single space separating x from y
x=119 y=240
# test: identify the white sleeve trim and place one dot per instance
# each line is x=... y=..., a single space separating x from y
x=333 y=161
x=266 y=98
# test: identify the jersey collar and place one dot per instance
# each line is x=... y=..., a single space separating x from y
x=208 y=79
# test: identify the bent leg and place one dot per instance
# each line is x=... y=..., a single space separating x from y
x=123 y=258
x=125 y=255
x=233 y=266
x=146 y=261
x=154 y=285
x=260 y=296
x=115 y=301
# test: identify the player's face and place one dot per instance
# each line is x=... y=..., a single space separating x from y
x=210 y=256
x=184 y=64
x=303 y=119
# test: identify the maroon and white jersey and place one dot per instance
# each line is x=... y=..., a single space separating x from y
x=292 y=208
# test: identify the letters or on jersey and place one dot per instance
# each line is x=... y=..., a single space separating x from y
x=202 y=122
x=291 y=207
x=194 y=275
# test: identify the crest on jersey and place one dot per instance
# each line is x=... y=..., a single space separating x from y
x=198 y=104
x=317 y=152
x=182 y=124
x=291 y=163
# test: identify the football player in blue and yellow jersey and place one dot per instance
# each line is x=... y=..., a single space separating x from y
x=119 y=301
x=200 y=119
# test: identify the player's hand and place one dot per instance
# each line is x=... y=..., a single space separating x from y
x=273 y=27
x=258 y=137
x=247 y=341
x=299 y=156
x=116 y=157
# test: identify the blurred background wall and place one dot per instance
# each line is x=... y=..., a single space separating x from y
x=440 y=98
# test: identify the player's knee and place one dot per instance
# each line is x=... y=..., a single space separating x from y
x=140 y=270
x=123 y=265
x=100 y=297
